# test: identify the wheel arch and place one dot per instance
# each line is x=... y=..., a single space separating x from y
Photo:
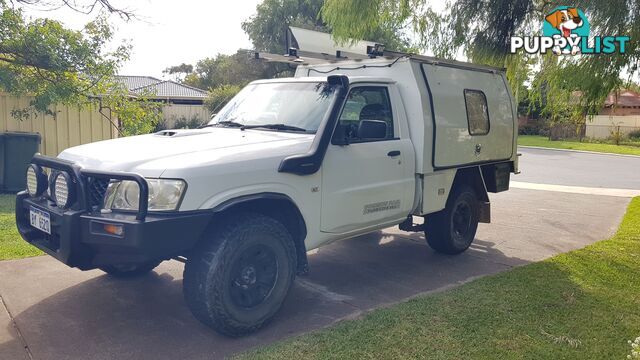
x=278 y=206
x=472 y=176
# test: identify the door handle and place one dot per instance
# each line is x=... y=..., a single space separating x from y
x=393 y=153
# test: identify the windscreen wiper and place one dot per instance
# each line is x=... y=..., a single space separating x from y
x=225 y=123
x=274 y=127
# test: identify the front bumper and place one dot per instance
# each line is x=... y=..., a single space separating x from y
x=78 y=237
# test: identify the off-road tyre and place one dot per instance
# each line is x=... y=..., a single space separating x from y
x=129 y=271
x=217 y=278
x=452 y=230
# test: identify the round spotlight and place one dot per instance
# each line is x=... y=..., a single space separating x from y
x=36 y=180
x=62 y=190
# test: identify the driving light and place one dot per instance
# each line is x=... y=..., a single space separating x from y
x=164 y=194
x=36 y=180
x=62 y=192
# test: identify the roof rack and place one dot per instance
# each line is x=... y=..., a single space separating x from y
x=324 y=51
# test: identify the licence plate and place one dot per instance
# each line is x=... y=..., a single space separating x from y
x=40 y=220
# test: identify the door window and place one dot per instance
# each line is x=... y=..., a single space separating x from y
x=366 y=103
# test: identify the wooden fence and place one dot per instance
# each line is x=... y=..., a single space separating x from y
x=175 y=112
x=603 y=126
x=70 y=127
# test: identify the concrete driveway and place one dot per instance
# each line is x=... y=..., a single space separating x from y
x=53 y=312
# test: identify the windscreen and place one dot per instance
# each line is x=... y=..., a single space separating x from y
x=296 y=104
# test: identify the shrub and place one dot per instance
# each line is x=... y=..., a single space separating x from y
x=634 y=135
x=184 y=123
x=219 y=96
x=533 y=127
x=160 y=125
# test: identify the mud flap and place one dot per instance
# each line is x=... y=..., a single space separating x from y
x=485 y=212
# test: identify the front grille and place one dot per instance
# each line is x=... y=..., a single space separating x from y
x=97 y=188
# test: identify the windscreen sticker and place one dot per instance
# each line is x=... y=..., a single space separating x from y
x=381 y=206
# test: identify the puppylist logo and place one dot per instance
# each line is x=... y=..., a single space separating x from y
x=566 y=31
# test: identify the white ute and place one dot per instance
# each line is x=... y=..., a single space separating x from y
x=344 y=148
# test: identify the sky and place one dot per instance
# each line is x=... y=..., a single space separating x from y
x=171 y=32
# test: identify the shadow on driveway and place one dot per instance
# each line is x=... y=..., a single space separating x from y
x=105 y=318
x=64 y=313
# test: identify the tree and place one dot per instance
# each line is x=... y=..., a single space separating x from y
x=179 y=71
x=267 y=28
x=226 y=74
x=236 y=69
x=137 y=114
x=482 y=29
x=84 y=7
x=219 y=96
x=55 y=65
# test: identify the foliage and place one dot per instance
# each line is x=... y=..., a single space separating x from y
x=481 y=30
x=578 y=305
x=179 y=71
x=236 y=69
x=42 y=58
x=224 y=75
x=615 y=134
x=82 y=7
x=219 y=96
x=137 y=115
x=192 y=123
x=634 y=135
x=267 y=28
x=532 y=128
x=11 y=244
x=56 y=65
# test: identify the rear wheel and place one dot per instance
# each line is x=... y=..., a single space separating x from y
x=130 y=270
x=452 y=230
x=237 y=280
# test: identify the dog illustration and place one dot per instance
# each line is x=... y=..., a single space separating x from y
x=565 y=21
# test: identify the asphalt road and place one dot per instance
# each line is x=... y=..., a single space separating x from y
x=561 y=167
x=53 y=312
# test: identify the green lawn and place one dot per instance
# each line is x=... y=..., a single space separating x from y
x=581 y=305
x=543 y=141
x=11 y=244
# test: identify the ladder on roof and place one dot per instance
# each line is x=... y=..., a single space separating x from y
x=308 y=47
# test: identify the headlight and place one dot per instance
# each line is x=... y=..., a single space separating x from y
x=62 y=190
x=36 y=180
x=164 y=194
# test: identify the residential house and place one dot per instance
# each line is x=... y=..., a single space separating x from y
x=182 y=102
x=620 y=113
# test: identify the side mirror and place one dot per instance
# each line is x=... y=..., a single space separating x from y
x=372 y=129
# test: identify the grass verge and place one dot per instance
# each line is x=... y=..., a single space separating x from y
x=579 y=305
x=11 y=244
x=543 y=141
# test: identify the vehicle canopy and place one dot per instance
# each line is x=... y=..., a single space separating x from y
x=459 y=114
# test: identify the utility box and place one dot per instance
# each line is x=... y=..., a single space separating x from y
x=16 y=151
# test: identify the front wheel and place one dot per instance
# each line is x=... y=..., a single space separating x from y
x=237 y=280
x=452 y=230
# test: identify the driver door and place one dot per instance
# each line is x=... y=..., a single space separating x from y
x=367 y=181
